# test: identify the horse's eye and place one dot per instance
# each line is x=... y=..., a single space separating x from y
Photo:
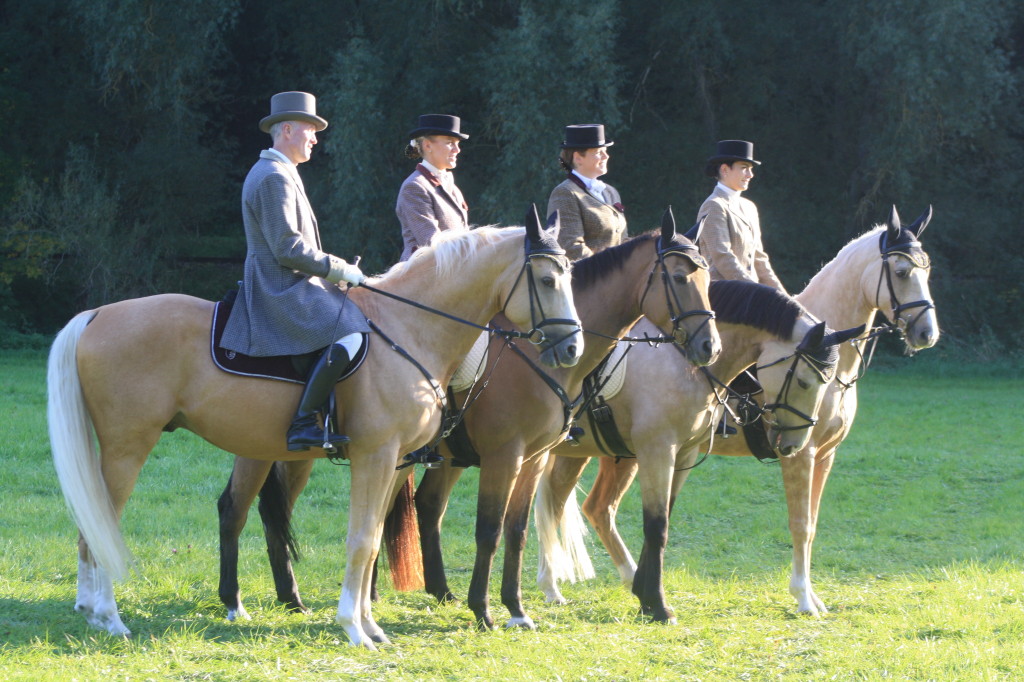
x=804 y=385
x=679 y=278
x=548 y=281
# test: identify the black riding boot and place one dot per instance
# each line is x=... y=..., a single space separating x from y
x=305 y=432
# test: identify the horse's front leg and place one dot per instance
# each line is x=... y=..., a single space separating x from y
x=285 y=483
x=517 y=521
x=247 y=476
x=373 y=478
x=432 y=495
x=822 y=467
x=558 y=558
x=656 y=473
x=497 y=477
x=601 y=505
x=797 y=473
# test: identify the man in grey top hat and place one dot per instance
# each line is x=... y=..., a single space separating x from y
x=290 y=301
x=731 y=237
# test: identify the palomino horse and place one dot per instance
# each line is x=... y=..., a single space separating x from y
x=885 y=269
x=665 y=409
x=139 y=367
x=524 y=410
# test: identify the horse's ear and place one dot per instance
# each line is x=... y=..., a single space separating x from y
x=893 y=226
x=693 y=234
x=532 y=224
x=668 y=227
x=837 y=337
x=917 y=227
x=554 y=224
x=814 y=338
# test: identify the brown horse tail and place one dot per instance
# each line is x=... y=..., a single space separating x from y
x=402 y=541
x=275 y=512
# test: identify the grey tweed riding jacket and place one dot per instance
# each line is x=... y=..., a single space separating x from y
x=284 y=305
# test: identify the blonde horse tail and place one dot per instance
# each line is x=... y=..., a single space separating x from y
x=563 y=551
x=402 y=541
x=75 y=455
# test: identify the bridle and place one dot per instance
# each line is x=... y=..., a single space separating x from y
x=824 y=368
x=912 y=251
x=677 y=313
x=536 y=335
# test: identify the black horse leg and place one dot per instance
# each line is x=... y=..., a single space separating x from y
x=431 y=499
x=647 y=583
x=517 y=520
x=277 y=496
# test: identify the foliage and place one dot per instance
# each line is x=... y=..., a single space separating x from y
x=150 y=115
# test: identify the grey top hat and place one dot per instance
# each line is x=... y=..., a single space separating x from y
x=585 y=136
x=437 y=124
x=292 y=106
x=728 y=151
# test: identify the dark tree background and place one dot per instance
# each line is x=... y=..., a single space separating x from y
x=129 y=127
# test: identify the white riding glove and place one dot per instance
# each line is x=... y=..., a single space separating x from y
x=344 y=271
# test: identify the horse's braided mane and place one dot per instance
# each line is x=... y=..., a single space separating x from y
x=589 y=270
x=756 y=305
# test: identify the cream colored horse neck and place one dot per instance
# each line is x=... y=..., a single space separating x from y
x=843 y=292
x=475 y=263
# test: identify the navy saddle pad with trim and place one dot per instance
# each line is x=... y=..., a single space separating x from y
x=280 y=367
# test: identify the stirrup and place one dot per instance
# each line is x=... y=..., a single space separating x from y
x=428 y=456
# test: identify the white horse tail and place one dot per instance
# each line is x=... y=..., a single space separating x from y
x=563 y=552
x=75 y=454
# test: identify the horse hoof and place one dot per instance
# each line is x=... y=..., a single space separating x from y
x=522 y=622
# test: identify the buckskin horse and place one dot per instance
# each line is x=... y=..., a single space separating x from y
x=665 y=408
x=133 y=369
x=524 y=410
x=884 y=269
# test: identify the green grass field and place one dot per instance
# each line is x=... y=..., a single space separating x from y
x=920 y=557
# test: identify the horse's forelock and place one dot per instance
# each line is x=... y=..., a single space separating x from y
x=757 y=305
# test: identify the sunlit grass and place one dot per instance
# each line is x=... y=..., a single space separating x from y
x=918 y=556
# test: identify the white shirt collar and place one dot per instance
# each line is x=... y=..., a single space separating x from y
x=280 y=156
x=594 y=186
x=732 y=194
x=445 y=176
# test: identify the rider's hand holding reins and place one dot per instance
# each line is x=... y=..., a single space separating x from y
x=344 y=271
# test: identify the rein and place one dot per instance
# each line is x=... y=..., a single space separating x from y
x=535 y=336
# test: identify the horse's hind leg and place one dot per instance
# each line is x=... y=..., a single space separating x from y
x=95 y=587
x=432 y=495
x=601 y=505
x=247 y=478
x=559 y=558
x=284 y=484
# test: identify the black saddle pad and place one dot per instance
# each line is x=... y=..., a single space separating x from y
x=281 y=367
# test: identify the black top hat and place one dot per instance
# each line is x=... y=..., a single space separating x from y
x=292 y=106
x=729 y=151
x=585 y=136
x=438 y=124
